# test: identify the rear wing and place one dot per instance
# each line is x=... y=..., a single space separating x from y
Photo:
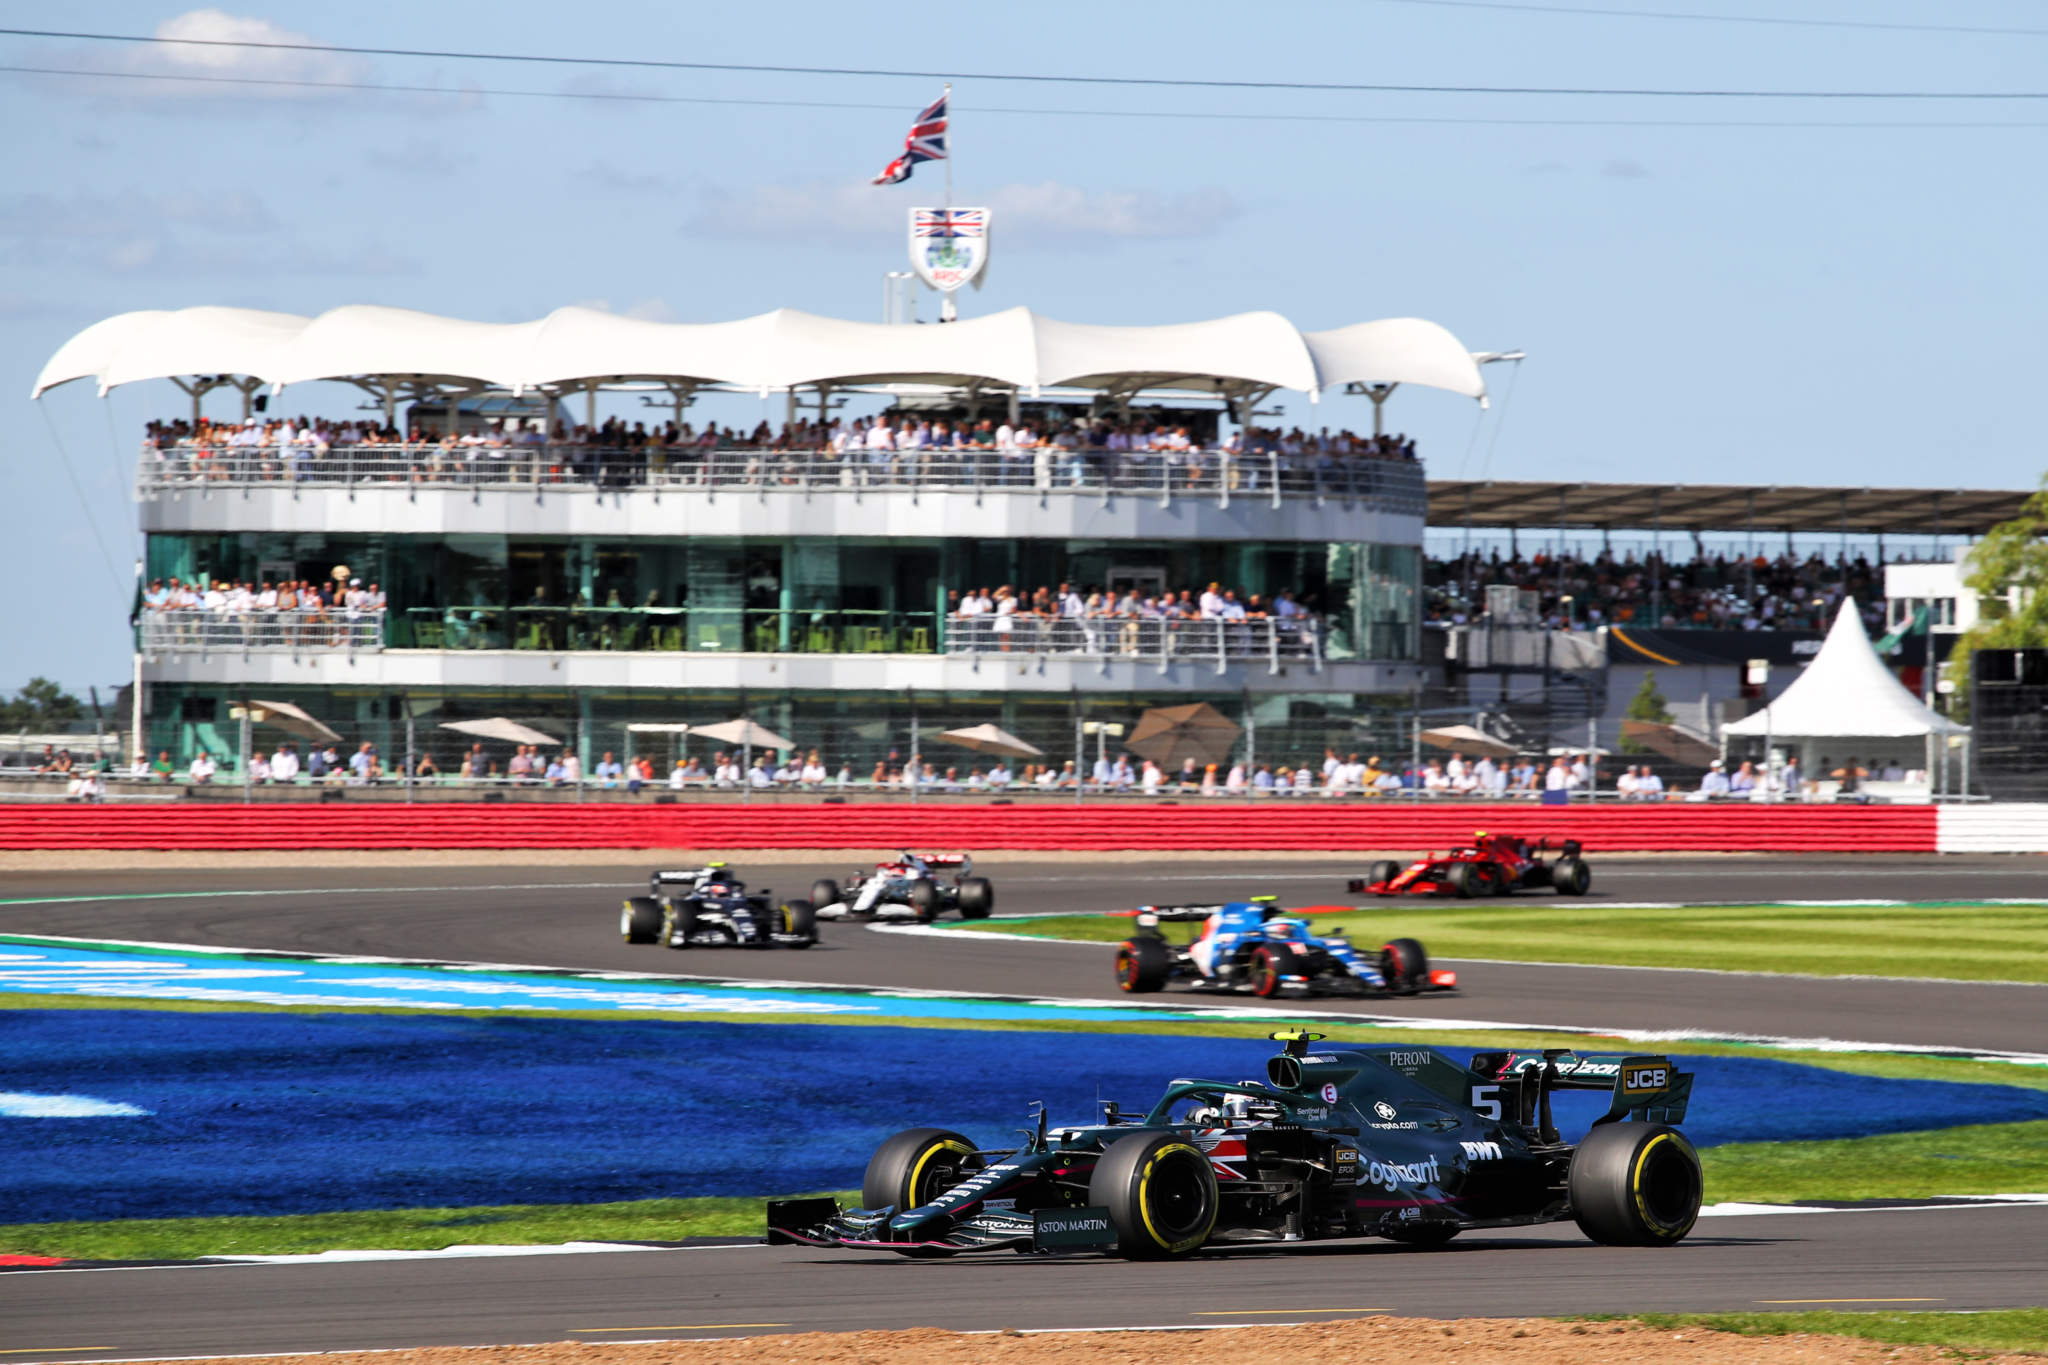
x=1646 y=1089
x=959 y=860
x=1149 y=915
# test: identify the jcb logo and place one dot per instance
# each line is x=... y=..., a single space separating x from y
x=1481 y=1151
x=1645 y=1078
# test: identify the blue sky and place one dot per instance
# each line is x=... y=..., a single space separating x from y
x=1700 y=304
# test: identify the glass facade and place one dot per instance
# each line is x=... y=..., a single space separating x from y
x=782 y=595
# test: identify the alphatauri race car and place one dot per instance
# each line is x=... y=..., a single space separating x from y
x=1255 y=946
x=1491 y=865
x=710 y=907
x=1397 y=1142
x=907 y=889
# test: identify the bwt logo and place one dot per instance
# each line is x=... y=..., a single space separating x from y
x=1481 y=1151
x=1645 y=1078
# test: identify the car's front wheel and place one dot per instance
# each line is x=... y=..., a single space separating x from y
x=800 y=921
x=825 y=891
x=1404 y=966
x=1383 y=874
x=1160 y=1191
x=915 y=1167
x=1262 y=971
x=1635 y=1185
x=1460 y=879
x=678 y=924
x=926 y=899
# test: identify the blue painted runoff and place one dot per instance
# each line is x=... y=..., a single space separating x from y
x=295 y=1113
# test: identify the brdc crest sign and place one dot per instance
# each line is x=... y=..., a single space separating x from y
x=948 y=247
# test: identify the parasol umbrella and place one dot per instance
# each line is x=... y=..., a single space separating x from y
x=743 y=732
x=1680 y=746
x=1171 y=735
x=294 y=721
x=501 y=729
x=992 y=739
x=1467 y=739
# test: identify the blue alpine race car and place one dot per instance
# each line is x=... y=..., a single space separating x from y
x=1253 y=945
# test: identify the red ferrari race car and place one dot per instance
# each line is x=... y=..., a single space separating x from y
x=1491 y=865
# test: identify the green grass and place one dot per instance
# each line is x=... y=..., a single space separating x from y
x=177 y=1239
x=1992 y=1158
x=2006 y=1329
x=2007 y=1158
x=1956 y=942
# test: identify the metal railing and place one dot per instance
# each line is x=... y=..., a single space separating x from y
x=667 y=630
x=1396 y=486
x=1161 y=640
x=199 y=631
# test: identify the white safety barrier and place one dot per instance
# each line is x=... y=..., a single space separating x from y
x=2000 y=828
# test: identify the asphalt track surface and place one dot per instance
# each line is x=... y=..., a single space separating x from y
x=1941 y=1258
x=567 y=918
x=1947 y=1258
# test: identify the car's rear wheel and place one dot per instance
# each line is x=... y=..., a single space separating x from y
x=1571 y=876
x=640 y=919
x=1262 y=971
x=926 y=899
x=677 y=924
x=1160 y=1192
x=1459 y=878
x=1424 y=1235
x=1383 y=873
x=1142 y=965
x=825 y=891
x=800 y=920
x=977 y=897
x=1635 y=1184
x=1404 y=966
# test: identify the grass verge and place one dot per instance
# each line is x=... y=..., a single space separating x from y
x=2006 y=1329
x=1993 y=1159
x=1953 y=942
x=180 y=1239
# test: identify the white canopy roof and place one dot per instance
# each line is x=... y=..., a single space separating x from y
x=1248 y=352
x=1847 y=693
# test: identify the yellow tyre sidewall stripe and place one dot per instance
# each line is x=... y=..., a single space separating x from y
x=1145 y=1202
x=910 y=1190
x=1635 y=1185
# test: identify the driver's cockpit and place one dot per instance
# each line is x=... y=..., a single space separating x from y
x=1223 y=1107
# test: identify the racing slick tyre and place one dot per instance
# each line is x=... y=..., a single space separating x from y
x=1262 y=971
x=1142 y=965
x=640 y=919
x=1160 y=1191
x=1571 y=876
x=926 y=899
x=825 y=891
x=1383 y=873
x=977 y=897
x=1489 y=879
x=800 y=920
x=677 y=925
x=915 y=1167
x=1404 y=966
x=1424 y=1235
x=1460 y=878
x=1635 y=1185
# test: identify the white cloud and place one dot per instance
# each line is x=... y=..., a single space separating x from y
x=1624 y=169
x=261 y=63
x=1047 y=211
x=420 y=156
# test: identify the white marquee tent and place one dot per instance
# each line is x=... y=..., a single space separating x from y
x=1846 y=694
x=571 y=349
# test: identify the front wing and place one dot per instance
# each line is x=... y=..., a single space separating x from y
x=822 y=1223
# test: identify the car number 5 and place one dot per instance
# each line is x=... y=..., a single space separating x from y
x=1486 y=1100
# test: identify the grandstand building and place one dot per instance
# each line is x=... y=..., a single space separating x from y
x=579 y=582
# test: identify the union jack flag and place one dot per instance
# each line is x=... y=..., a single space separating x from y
x=950 y=223
x=925 y=142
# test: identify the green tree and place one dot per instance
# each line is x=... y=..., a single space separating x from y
x=42 y=705
x=1647 y=704
x=2013 y=554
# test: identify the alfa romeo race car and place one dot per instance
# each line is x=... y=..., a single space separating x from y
x=907 y=888
x=1253 y=945
x=710 y=907
x=1397 y=1142
x=1491 y=865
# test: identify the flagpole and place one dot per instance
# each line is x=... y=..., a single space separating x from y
x=947 y=312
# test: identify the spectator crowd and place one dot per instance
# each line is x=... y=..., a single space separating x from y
x=1707 y=592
